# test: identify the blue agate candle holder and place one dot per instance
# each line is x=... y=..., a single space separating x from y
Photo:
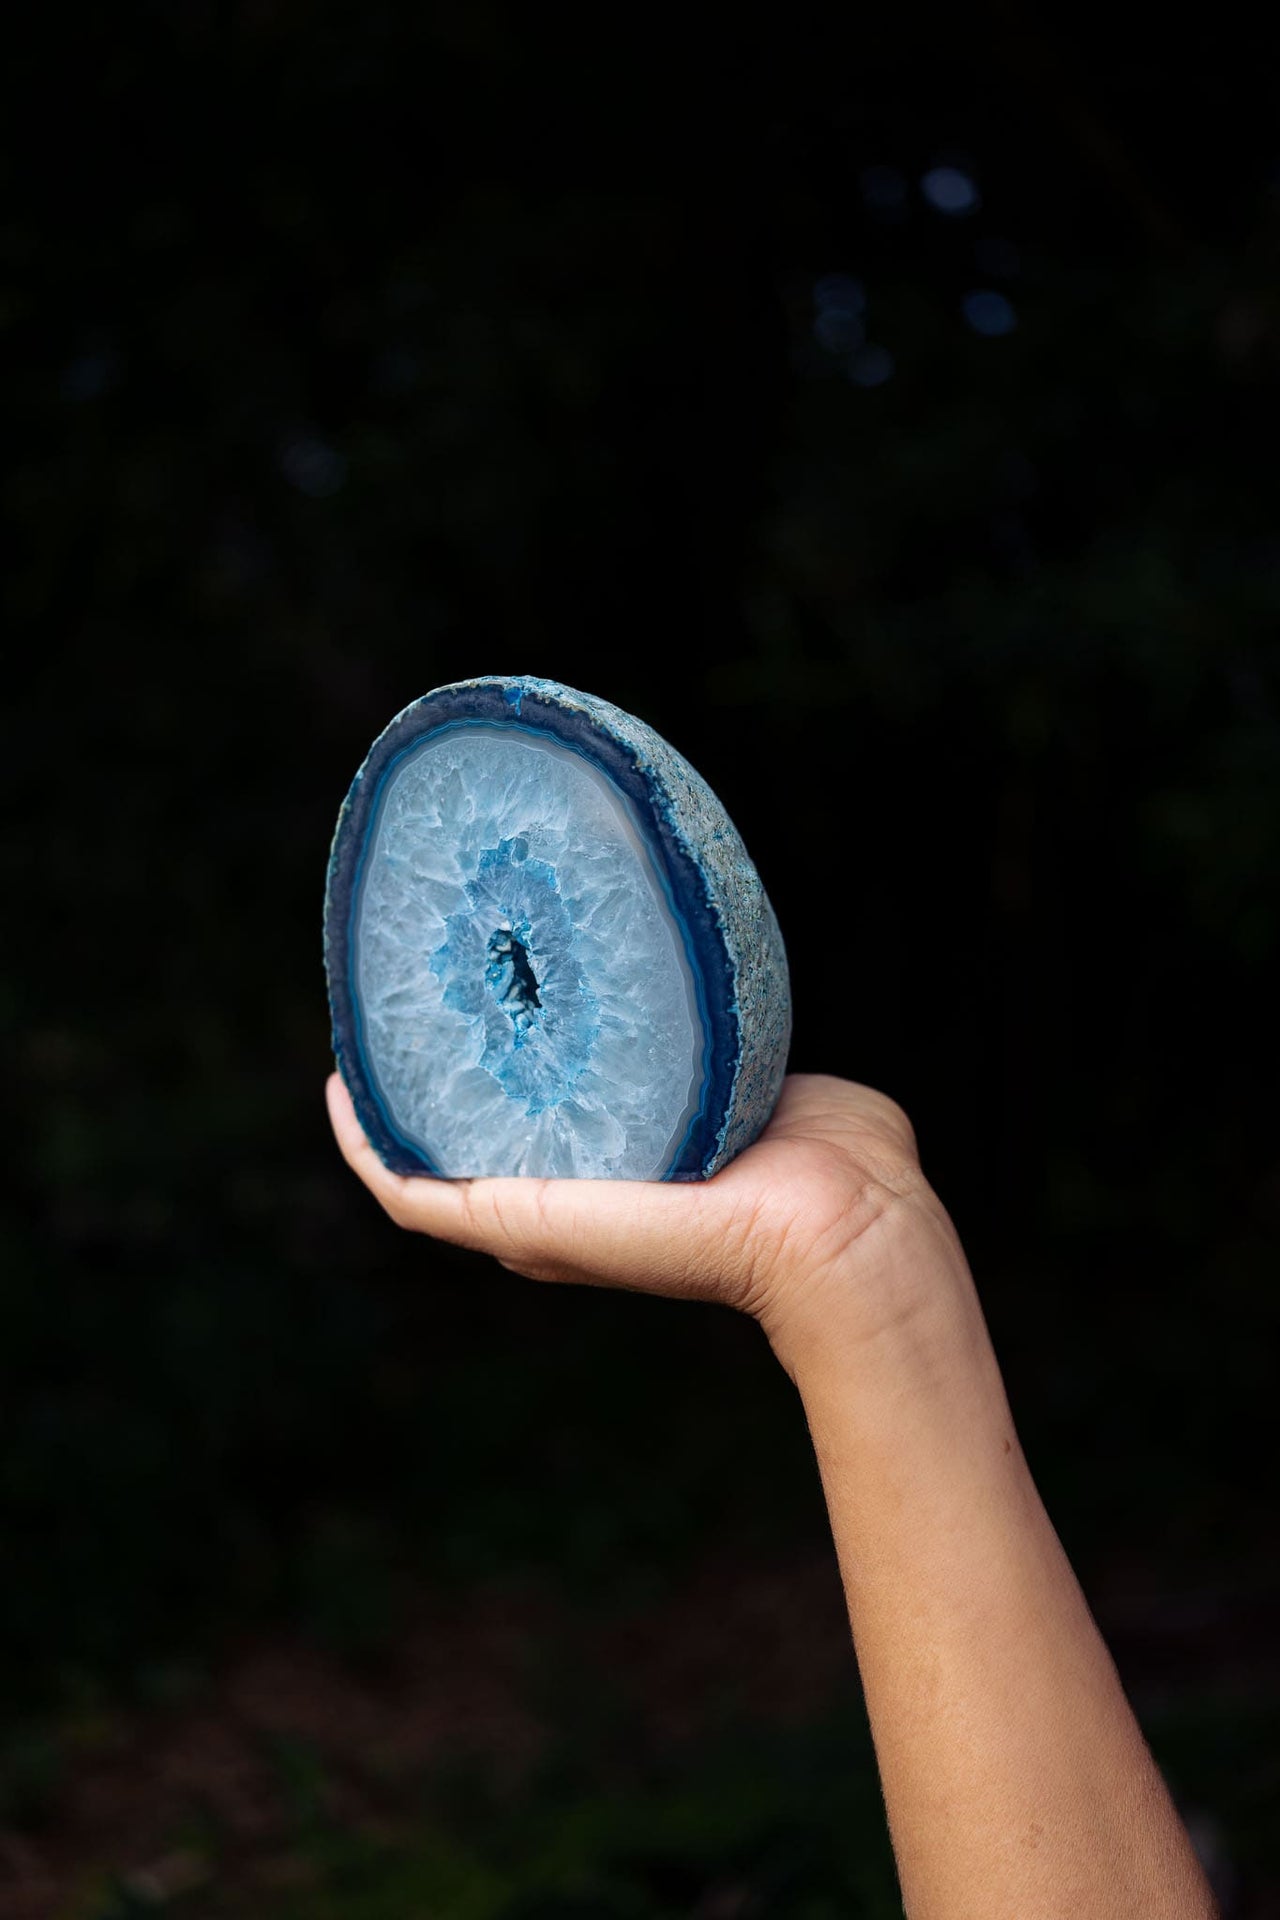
x=547 y=948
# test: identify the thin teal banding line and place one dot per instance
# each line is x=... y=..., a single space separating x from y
x=357 y=891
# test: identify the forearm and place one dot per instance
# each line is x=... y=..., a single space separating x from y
x=1017 y=1783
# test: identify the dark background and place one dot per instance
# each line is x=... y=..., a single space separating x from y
x=352 y=350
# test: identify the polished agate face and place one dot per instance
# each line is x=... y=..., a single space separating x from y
x=547 y=950
x=527 y=1004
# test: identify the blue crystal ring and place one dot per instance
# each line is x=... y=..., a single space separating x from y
x=548 y=951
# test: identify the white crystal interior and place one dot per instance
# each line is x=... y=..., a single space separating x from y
x=526 y=999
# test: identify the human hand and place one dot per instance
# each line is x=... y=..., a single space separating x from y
x=806 y=1231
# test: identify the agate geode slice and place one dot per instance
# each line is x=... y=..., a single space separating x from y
x=548 y=950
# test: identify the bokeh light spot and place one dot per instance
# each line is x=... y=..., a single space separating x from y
x=312 y=466
x=870 y=367
x=91 y=375
x=950 y=190
x=989 y=313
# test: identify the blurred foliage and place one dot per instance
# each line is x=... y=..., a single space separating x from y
x=792 y=1824
x=755 y=1822
x=324 y=387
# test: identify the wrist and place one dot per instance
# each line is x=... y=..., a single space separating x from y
x=900 y=1384
x=900 y=1302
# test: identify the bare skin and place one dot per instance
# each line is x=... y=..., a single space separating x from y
x=1017 y=1782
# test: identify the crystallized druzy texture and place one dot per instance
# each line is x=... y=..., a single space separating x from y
x=548 y=951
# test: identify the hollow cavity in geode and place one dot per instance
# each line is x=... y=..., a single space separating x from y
x=548 y=950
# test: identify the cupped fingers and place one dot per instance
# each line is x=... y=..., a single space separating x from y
x=620 y=1233
x=443 y=1209
x=624 y=1233
x=430 y=1206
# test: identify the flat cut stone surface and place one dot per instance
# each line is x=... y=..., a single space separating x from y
x=548 y=950
x=492 y=844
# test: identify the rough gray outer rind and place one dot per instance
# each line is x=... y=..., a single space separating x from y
x=735 y=898
x=739 y=902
